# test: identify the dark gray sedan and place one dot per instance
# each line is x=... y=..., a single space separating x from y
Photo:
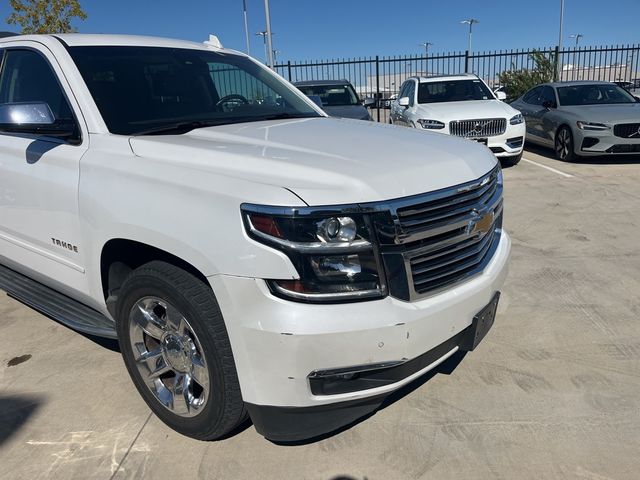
x=337 y=97
x=582 y=118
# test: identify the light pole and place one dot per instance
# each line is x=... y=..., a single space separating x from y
x=558 y=63
x=426 y=46
x=267 y=16
x=263 y=34
x=577 y=36
x=471 y=22
x=275 y=55
x=246 y=24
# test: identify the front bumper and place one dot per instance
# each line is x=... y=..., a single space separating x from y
x=593 y=142
x=505 y=145
x=277 y=343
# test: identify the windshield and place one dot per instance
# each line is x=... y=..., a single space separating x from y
x=594 y=94
x=453 y=91
x=144 y=89
x=332 y=95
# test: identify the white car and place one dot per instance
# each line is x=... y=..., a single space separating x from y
x=461 y=105
x=253 y=256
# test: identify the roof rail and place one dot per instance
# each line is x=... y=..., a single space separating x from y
x=8 y=34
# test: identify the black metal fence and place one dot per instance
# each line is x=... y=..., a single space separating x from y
x=380 y=77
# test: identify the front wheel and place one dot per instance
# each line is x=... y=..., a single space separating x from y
x=564 y=145
x=175 y=346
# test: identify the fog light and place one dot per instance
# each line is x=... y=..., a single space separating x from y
x=338 y=229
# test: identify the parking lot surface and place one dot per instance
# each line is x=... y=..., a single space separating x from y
x=552 y=392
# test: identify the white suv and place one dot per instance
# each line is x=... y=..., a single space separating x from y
x=461 y=105
x=252 y=256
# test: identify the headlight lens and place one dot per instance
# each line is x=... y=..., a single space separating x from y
x=516 y=119
x=431 y=124
x=332 y=252
x=592 y=126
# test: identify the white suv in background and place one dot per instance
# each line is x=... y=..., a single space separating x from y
x=461 y=105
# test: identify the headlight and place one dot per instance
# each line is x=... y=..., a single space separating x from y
x=592 y=126
x=516 y=119
x=431 y=124
x=332 y=251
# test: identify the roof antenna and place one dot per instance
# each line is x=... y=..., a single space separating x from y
x=214 y=41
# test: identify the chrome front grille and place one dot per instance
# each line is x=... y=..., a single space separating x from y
x=442 y=238
x=483 y=127
x=627 y=130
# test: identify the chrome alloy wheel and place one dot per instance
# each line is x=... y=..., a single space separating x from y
x=563 y=144
x=169 y=356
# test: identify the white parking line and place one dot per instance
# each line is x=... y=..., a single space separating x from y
x=566 y=175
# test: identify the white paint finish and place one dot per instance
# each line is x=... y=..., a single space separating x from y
x=551 y=169
x=324 y=160
x=274 y=339
x=182 y=194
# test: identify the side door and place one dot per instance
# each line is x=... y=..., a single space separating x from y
x=39 y=175
x=530 y=107
x=548 y=115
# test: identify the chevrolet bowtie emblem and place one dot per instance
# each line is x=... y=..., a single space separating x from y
x=480 y=224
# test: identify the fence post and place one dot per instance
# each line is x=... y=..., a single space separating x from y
x=466 y=61
x=378 y=87
x=556 y=73
x=289 y=68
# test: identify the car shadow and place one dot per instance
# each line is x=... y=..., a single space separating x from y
x=15 y=411
x=600 y=160
x=445 y=368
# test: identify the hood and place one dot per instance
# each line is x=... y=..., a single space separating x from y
x=469 y=110
x=611 y=114
x=325 y=161
x=357 y=112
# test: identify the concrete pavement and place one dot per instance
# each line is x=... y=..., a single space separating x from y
x=553 y=391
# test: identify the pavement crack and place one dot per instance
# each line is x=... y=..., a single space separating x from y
x=126 y=454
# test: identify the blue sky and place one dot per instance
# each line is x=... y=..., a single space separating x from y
x=339 y=28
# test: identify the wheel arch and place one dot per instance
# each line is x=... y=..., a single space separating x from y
x=120 y=256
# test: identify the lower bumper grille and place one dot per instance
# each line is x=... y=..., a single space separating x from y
x=625 y=148
x=483 y=127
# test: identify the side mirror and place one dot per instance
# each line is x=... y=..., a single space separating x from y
x=404 y=102
x=549 y=104
x=35 y=118
x=369 y=102
x=501 y=95
x=315 y=99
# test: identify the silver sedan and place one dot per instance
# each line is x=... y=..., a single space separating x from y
x=582 y=118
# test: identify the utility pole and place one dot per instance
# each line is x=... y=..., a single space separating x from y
x=471 y=22
x=246 y=25
x=267 y=15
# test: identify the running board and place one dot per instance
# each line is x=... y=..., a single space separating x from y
x=61 y=308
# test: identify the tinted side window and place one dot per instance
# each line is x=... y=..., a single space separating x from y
x=548 y=95
x=411 y=92
x=533 y=97
x=28 y=77
x=403 y=90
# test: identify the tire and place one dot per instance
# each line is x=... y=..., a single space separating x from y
x=511 y=161
x=564 y=146
x=171 y=320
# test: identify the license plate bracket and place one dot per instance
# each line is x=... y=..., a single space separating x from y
x=482 y=323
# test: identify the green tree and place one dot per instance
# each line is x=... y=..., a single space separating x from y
x=517 y=82
x=45 y=16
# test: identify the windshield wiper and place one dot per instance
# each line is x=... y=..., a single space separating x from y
x=180 y=127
